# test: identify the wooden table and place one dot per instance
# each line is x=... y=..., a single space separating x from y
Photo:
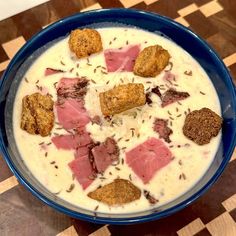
x=213 y=214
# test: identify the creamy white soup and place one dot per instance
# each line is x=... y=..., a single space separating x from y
x=129 y=129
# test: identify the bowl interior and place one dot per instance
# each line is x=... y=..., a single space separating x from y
x=213 y=66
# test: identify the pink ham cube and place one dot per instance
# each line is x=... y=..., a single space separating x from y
x=147 y=158
x=71 y=141
x=51 y=71
x=121 y=59
x=82 y=170
x=71 y=114
x=105 y=154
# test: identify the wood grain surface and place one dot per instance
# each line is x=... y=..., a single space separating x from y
x=213 y=214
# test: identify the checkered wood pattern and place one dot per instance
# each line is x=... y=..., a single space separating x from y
x=213 y=214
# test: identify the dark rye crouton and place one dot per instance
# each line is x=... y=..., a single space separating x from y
x=122 y=98
x=85 y=42
x=37 y=114
x=118 y=192
x=202 y=125
x=151 y=61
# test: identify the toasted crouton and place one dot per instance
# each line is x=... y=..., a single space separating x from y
x=122 y=98
x=85 y=42
x=202 y=125
x=118 y=192
x=151 y=61
x=37 y=114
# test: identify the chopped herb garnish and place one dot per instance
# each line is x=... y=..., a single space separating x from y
x=118 y=140
x=130 y=177
x=170 y=64
x=96 y=208
x=189 y=73
x=72 y=186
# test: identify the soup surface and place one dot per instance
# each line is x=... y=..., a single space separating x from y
x=188 y=161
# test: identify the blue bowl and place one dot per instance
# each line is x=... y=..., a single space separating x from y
x=184 y=37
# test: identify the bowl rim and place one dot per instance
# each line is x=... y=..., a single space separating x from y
x=137 y=219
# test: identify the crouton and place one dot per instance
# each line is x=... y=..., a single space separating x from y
x=118 y=192
x=151 y=61
x=122 y=98
x=85 y=42
x=37 y=114
x=202 y=125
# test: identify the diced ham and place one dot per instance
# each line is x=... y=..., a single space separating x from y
x=147 y=158
x=72 y=88
x=161 y=127
x=157 y=91
x=81 y=151
x=105 y=154
x=96 y=120
x=51 y=71
x=71 y=141
x=71 y=114
x=171 y=96
x=82 y=170
x=121 y=60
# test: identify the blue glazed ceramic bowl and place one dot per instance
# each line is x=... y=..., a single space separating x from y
x=204 y=54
